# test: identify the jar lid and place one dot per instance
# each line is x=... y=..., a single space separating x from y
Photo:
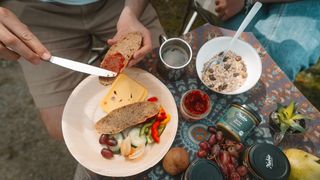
x=248 y=109
x=268 y=160
x=204 y=169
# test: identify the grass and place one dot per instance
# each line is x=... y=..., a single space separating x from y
x=171 y=14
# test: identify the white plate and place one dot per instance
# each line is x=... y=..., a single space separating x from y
x=82 y=111
x=249 y=56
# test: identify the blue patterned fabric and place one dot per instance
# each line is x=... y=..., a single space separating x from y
x=290 y=33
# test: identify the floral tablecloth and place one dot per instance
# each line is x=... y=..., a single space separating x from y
x=272 y=87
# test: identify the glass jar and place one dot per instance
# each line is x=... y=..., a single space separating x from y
x=266 y=161
x=203 y=169
x=195 y=105
x=238 y=122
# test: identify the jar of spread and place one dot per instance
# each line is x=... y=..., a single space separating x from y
x=266 y=161
x=203 y=169
x=195 y=105
x=238 y=122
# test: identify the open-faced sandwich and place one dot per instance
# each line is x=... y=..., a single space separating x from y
x=131 y=122
x=119 y=55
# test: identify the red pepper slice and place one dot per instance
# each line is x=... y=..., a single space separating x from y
x=154 y=131
x=152 y=99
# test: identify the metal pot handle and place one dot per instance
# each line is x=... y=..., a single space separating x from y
x=162 y=39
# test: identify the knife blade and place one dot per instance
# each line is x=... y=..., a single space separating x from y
x=81 y=67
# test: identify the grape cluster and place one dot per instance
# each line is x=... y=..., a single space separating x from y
x=107 y=140
x=225 y=153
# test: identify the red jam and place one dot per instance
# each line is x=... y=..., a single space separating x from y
x=196 y=102
x=195 y=105
x=114 y=62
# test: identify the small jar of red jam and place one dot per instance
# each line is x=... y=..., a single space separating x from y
x=195 y=105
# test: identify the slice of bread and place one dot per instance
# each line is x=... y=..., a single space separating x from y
x=126 y=116
x=119 y=55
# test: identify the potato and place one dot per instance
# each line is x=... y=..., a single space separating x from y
x=175 y=161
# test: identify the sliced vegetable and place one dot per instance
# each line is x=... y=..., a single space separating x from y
x=152 y=99
x=125 y=147
x=154 y=131
x=166 y=120
x=146 y=127
x=137 y=152
x=136 y=139
x=161 y=129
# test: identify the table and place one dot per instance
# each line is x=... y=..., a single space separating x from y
x=272 y=87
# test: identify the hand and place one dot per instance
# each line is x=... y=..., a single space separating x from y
x=16 y=40
x=228 y=8
x=129 y=23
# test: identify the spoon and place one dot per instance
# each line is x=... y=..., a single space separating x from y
x=243 y=25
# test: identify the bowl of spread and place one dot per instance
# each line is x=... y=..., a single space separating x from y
x=195 y=104
x=238 y=122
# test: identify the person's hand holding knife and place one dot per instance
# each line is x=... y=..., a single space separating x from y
x=17 y=40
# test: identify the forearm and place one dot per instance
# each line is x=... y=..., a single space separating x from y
x=135 y=7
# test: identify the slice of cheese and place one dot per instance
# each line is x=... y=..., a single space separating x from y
x=123 y=91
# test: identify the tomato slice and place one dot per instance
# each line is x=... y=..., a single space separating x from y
x=113 y=62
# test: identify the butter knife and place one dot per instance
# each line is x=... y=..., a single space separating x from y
x=81 y=67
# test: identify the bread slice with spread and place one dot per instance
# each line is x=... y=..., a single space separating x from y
x=119 y=55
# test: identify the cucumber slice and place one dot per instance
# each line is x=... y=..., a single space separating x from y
x=119 y=137
x=149 y=139
x=136 y=139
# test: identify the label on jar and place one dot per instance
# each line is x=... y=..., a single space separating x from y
x=238 y=121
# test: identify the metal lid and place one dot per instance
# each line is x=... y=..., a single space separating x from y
x=203 y=169
x=269 y=162
x=249 y=109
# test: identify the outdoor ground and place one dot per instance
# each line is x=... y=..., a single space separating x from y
x=27 y=152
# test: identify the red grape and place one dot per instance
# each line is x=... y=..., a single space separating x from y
x=111 y=141
x=103 y=139
x=233 y=152
x=235 y=176
x=212 y=139
x=204 y=146
x=224 y=169
x=219 y=136
x=239 y=147
x=231 y=168
x=215 y=150
x=224 y=157
x=229 y=142
x=242 y=170
x=201 y=153
x=211 y=129
x=106 y=153
x=234 y=161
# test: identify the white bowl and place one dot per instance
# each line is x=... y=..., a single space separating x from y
x=249 y=55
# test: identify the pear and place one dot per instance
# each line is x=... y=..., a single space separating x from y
x=304 y=166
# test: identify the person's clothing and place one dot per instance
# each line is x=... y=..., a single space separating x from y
x=72 y=2
x=290 y=33
x=67 y=31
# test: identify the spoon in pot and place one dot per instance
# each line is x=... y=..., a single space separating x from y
x=243 y=25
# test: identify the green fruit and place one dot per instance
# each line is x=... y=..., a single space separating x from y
x=303 y=165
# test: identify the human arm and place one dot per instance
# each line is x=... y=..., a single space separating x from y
x=129 y=22
x=17 y=40
x=228 y=8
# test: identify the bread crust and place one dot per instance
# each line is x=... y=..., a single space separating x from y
x=126 y=116
x=126 y=46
